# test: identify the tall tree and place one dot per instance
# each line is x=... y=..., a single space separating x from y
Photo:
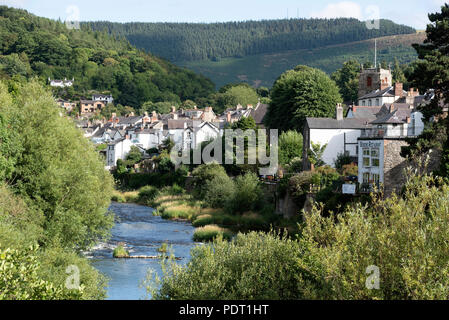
x=301 y=93
x=347 y=79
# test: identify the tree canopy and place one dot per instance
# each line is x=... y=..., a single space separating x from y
x=301 y=93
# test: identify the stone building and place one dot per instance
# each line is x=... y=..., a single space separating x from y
x=374 y=79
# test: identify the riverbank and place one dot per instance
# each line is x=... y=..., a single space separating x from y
x=173 y=203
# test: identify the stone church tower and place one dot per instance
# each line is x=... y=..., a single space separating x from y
x=374 y=79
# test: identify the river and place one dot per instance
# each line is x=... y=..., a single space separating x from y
x=143 y=234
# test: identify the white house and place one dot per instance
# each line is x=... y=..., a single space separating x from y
x=107 y=99
x=116 y=150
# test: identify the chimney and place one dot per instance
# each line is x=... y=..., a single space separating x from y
x=175 y=116
x=339 y=112
x=408 y=119
x=398 y=89
x=114 y=115
x=131 y=114
x=173 y=109
x=154 y=117
x=413 y=93
x=228 y=117
x=250 y=106
x=391 y=109
x=195 y=107
x=239 y=106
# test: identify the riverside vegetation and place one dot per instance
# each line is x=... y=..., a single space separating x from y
x=54 y=196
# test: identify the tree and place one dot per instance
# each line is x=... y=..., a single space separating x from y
x=232 y=95
x=301 y=93
x=316 y=154
x=347 y=79
x=431 y=71
x=290 y=146
x=59 y=171
x=398 y=73
x=394 y=245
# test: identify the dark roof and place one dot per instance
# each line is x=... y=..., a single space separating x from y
x=259 y=113
x=398 y=116
x=366 y=113
x=328 y=123
x=129 y=120
x=388 y=92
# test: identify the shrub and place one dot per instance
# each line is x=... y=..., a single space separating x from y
x=247 y=193
x=342 y=160
x=182 y=211
x=220 y=190
x=211 y=232
x=255 y=266
x=290 y=146
x=203 y=174
x=203 y=220
x=147 y=195
x=120 y=252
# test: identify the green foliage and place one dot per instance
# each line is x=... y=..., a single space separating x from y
x=256 y=266
x=342 y=160
x=239 y=94
x=147 y=195
x=198 y=41
x=401 y=236
x=134 y=156
x=203 y=174
x=347 y=79
x=290 y=146
x=120 y=252
x=210 y=232
x=59 y=171
x=247 y=193
x=301 y=93
x=316 y=154
x=20 y=280
x=219 y=191
x=35 y=46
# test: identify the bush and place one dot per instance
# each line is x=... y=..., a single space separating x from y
x=120 y=252
x=247 y=193
x=220 y=190
x=256 y=266
x=211 y=232
x=203 y=220
x=290 y=146
x=203 y=174
x=147 y=195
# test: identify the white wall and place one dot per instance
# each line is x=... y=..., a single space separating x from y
x=371 y=170
x=335 y=140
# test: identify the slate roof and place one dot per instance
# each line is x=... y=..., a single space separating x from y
x=362 y=112
x=259 y=113
x=388 y=92
x=328 y=123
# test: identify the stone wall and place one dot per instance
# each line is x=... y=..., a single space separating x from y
x=394 y=166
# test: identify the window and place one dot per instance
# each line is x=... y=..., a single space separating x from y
x=366 y=162
x=366 y=177
x=369 y=82
x=376 y=178
x=371 y=157
x=377 y=102
x=370 y=103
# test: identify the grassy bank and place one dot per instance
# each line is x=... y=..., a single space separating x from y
x=172 y=203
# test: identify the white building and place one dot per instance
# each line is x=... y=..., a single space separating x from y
x=380 y=97
x=107 y=99
x=116 y=150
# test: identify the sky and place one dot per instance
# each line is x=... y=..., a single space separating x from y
x=409 y=12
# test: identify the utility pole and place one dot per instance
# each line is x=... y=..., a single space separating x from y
x=375 y=53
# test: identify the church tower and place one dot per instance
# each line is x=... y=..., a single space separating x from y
x=374 y=79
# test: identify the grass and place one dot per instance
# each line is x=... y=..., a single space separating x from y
x=163 y=248
x=210 y=232
x=120 y=252
x=125 y=197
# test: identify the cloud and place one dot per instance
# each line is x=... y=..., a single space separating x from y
x=13 y=3
x=344 y=9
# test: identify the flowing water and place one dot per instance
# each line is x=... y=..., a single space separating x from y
x=143 y=234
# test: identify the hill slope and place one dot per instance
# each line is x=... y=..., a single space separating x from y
x=34 y=46
x=213 y=41
x=263 y=69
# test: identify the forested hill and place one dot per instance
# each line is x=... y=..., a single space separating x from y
x=195 y=42
x=34 y=46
